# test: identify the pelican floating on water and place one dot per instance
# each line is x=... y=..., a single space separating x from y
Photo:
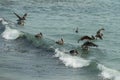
x=60 y=42
x=40 y=35
x=73 y=52
x=76 y=30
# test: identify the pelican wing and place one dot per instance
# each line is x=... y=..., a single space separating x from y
x=17 y=15
x=85 y=37
x=89 y=44
x=24 y=16
x=92 y=44
x=99 y=31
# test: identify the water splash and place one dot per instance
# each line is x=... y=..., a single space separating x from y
x=10 y=33
x=71 y=61
x=3 y=21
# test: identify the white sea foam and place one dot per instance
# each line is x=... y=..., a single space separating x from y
x=3 y=21
x=71 y=61
x=10 y=33
x=108 y=73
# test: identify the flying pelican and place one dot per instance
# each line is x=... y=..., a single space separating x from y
x=20 y=20
x=88 y=44
x=87 y=38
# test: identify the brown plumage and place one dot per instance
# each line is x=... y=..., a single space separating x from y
x=73 y=52
x=21 y=19
x=86 y=38
x=39 y=35
x=100 y=36
x=88 y=44
x=60 y=42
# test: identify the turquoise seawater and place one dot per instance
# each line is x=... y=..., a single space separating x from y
x=32 y=59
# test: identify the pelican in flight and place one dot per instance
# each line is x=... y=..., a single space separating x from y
x=86 y=38
x=88 y=44
x=20 y=20
x=76 y=30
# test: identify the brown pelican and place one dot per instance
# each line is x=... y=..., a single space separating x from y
x=76 y=30
x=87 y=44
x=73 y=52
x=39 y=35
x=60 y=42
x=21 y=19
x=87 y=38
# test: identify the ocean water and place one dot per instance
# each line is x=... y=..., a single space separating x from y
x=28 y=58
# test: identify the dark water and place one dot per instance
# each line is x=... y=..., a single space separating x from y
x=31 y=59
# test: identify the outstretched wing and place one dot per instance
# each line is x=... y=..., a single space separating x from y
x=92 y=44
x=17 y=15
x=99 y=31
x=85 y=37
x=89 y=44
x=24 y=16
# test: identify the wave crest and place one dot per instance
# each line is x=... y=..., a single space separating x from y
x=71 y=61
x=107 y=73
x=10 y=33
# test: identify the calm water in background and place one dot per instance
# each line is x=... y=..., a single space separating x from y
x=21 y=60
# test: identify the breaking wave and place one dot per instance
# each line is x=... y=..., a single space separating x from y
x=71 y=61
x=7 y=32
x=67 y=59
x=108 y=74
x=10 y=33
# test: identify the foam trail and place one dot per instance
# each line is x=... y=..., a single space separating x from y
x=71 y=61
x=10 y=33
x=108 y=74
